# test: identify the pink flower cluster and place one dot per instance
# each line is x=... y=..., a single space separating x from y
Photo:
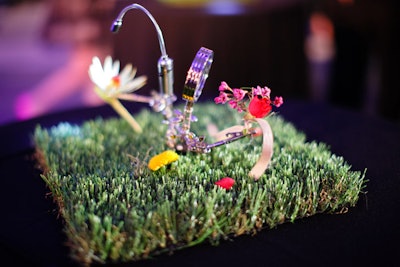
x=260 y=103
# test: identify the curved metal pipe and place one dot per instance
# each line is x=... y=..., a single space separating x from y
x=165 y=65
x=118 y=23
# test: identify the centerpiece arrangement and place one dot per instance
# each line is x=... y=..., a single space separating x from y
x=132 y=187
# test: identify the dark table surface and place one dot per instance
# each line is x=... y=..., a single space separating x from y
x=31 y=232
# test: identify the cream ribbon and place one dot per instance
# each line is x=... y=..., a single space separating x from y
x=267 y=150
x=267 y=146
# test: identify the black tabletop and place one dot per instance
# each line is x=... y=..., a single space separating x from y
x=31 y=233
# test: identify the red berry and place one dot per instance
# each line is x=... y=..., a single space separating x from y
x=260 y=106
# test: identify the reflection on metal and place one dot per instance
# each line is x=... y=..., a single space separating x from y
x=178 y=135
x=163 y=101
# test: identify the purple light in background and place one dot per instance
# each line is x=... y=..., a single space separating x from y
x=224 y=8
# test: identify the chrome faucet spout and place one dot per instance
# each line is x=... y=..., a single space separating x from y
x=165 y=64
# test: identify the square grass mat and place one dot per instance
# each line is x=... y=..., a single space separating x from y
x=116 y=210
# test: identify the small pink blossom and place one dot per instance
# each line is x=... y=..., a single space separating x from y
x=236 y=105
x=278 y=101
x=256 y=90
x=233 y=104
x=221 y=99
x=239 y=94
x=260 y=103
x=223 y=87
x=262 y=91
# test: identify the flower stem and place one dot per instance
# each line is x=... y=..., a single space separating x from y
x=121 y=110
x=135 y=98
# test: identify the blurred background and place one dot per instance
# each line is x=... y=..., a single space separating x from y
x=343 y=53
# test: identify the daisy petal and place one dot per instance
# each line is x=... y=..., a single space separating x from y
x=133 y=85
x=125 y=75
x=96 y=74
x=107 y=67
x=115 y=68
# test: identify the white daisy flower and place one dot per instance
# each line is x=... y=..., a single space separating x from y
x=110 y=83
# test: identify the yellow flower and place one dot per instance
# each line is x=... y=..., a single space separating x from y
x=162 y=159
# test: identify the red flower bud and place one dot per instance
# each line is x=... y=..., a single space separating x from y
x=225 y=183
x=260 y=106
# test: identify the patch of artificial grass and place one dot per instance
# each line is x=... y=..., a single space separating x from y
x=116 y=209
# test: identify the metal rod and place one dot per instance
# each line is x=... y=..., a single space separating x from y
x=118 y=23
